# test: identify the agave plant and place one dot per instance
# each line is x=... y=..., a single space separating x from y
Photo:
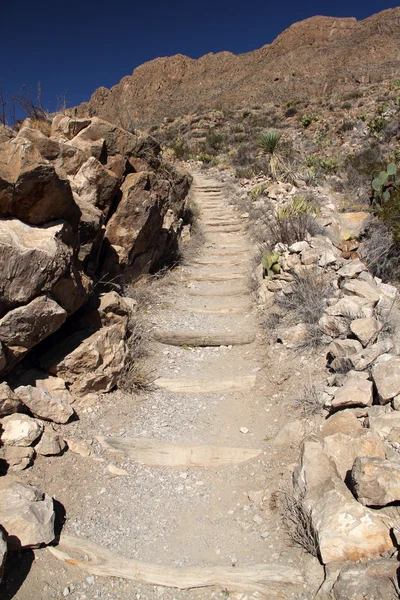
x=268 y=141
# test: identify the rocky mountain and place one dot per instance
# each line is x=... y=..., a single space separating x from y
x=312 y=58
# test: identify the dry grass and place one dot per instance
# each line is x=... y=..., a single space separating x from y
x=298 y=522
x=41 y=125
x=136 y=376
x=309 y=401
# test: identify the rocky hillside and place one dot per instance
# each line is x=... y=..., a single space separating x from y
x=311 y=58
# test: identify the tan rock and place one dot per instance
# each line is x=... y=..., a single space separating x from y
x=9 y=403
x=93 y=365
x=369 y=355
x=346 y=529
x=97 y=184
x=344 y=448
x=53 y=385
x=45 y=405
x=32 y=259
x=27 y=516
x=371 y=579
x=384 y=424
x=344 y=421
x=50 y=444
x=6 y=133
x=353 y=307
x=294 y=336
x=20 y=430
x=67 y=127
x=22 y=328
x=80 y=447
x=333 y=326
x=365 y=329
x=357 y=390
x=352 y=269
x=115 y=471
x=386 y=376
x=344 y=348
x=362 y=289
x=3 y=542
x=376 y=481
x=30 y=189
x=18 y=458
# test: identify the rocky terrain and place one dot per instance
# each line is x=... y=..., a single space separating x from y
x=312 y=59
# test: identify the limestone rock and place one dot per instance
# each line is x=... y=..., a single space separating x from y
x=97 y=184
x=294 y=336
x=365 y=329
x=22 y=328
x=6 y=133
x=32 y=259
x=344 y=448
x=67 y=127
x=80 y=447
x=346 y=529
x=53 y=385
x=9 y=403
x=372 y=579
x=333 y=326
x=344 y=348
x=386 y=376
x=344 y=421
x=352 y=307
x=50 y=444
x=299 y=247
x=356 y=391
x=27 y=516
x=375 y=481
x=18 y=458
x=20 y=430
x=352 y=269
x=92 y=364
x=369 y=355
x=44 y=405
x=362 y=289
x=384 y=424
x=30 y=189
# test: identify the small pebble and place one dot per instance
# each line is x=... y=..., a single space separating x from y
x=244 y=430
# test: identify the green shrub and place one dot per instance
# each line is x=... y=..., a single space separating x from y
x=376 y=125
x=308 y=118
x=269 y=143
x=347 y=125
x=290 y=112
x=346 y=105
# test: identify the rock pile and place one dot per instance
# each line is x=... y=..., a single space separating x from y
x=82 y=201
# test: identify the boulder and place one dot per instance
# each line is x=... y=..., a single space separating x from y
x=372 y=579
x=376 y=481
x=45 y=405
x=384 y=424
x=343 y=348
x=20 y=430
x=32 y=260
x=365 y=330
x=30 y=189
x=344 y=448
x=50 y=444
x=293 y=336
x=352 y=307
x=66 y=127
x=97 y=185
x=369 y=355
x=352 y=269
x=72 y=290
x=386 y=376
x=299 y=247
x=18 y=458
x=333 y=326
x=22 y=328
x=90 y=365
x=362 y=289
x=9 y=403
x=346 y=529
x=53 y=385
x=27 y=516
x=357 y=390
x=80 y=447
x=344 y=421
x=6 y=133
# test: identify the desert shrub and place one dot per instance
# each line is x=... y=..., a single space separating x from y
x=308 y=118
x=181 y=149
x=243 y=156
x=42 y=125
x=376 y=125
x=379 y=251
x=269 y=143
x=297 y=520
x=292 y=222
x=309 y=401
x=346 y=105
x=250 y=171
x=360 y=167
x=290 y=112
x=347 y=125
x=135 y=375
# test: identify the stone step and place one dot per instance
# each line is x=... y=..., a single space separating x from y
x=212 y=277
x=269 y=580
x=218 y=292
x=157 y=453
x=201 y=385
x=204 y=338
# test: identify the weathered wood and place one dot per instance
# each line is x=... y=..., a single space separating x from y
x=156 y=453
x=96 y=560
x=204 y=338
x=206 y=386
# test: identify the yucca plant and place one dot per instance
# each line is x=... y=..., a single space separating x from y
x=268 y=141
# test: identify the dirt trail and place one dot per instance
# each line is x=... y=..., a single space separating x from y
x=197 y=504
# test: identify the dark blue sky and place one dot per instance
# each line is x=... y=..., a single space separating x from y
x=77 y=46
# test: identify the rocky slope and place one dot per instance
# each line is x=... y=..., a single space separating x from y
x=311 y=58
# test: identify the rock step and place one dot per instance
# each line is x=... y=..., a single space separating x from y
x=216 y=262
x=214 y=277
x=234 y=310
x=266 y=579
x=201 y=385
x=218 y=292
x=157 y=453
x=222 y=223
x=204 y=338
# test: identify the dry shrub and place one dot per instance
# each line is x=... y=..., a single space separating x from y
x=41 y=125
x=136 y=376
x=379 y=251
x=298 y=522
x=309 y=401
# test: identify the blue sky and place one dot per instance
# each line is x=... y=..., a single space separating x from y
x=77 y=46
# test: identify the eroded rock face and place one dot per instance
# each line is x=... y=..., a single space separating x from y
x=346 y=529
x=376 y=481
x=27 y=516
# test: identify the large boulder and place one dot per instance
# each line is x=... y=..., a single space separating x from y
x=30 y=188
x=365 y=330
x=346 y=530
x=357 y=390
x=376 y=481
x=65 y=127
x=345 y=447
x=89 y=365
x=370 y=579
x=97 y=184
x=45 y=405
x=24 y=327
x=27 y=516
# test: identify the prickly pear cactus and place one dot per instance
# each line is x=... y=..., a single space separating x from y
x=384 y=184
x=270 y=264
